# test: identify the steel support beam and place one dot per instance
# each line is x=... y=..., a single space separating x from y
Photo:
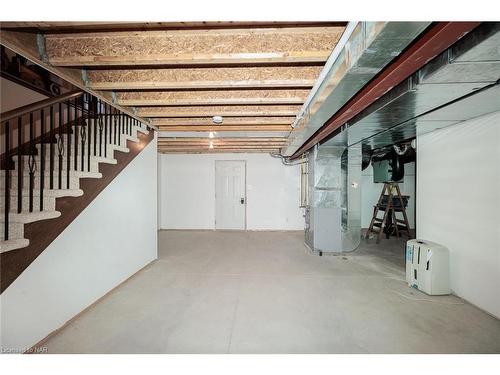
x=435 y=40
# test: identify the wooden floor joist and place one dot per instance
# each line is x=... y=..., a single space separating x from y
x=205 y=144
x=226 y=128
x=178 y=75
x=232 y=121
x=203 y=78
x=220 y=147
x=193 y=47
x=209 y=111
x=210 y=97
x=229 y=147
x=220 y=141
x=218 y=151
x=87 y=26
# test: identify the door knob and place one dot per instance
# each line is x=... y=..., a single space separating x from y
x=242 y=200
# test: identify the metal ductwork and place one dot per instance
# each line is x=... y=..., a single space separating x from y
x=459 y=84
x=364 y=50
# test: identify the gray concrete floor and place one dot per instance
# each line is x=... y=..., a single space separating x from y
x=262 y=292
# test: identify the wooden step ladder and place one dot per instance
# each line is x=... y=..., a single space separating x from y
x=389 y=212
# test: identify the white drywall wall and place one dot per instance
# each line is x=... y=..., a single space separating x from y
x=188 y=192
x=370 y=193
x=113 y=238
x=458 y=204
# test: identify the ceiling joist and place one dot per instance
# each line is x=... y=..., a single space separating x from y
x=223 y=128
x=203 y=78
x=248 y=144
x=220 y=141
x=210 y=97
x=177 y=76
x=233 y=121
x=87 y=26
x=193 y=47
x=217 y=151
x=207 y=111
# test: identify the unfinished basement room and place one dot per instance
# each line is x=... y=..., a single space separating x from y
x=250 y=187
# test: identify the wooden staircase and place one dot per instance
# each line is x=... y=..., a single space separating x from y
x=83 y=144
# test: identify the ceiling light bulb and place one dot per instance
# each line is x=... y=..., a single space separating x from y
x=217 y=119
x=211 y=135
x=211 y=145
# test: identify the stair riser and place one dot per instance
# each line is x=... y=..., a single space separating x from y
x=49 y=203
x=16 y=230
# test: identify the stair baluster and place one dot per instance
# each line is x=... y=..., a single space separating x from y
x=31 y=163
x=77 y=123
x=120 y=123
x=42 y=156
x=7 y=182
x=114 y=129
x=54 y=124
x=105 y=128
x=68 y=142
x=95 y=113
x=60 y=146
x=91 y=121
x=19 y=165
x=51 y=147
x=83 y=133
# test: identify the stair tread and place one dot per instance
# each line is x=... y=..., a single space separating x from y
x=72 y=156
x=47 y=192
x=131 y=138
x=29 y=217
x=120 y=148
x=72 y=173
x=13 y=244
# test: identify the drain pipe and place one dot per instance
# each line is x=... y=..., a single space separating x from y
x=286 y=160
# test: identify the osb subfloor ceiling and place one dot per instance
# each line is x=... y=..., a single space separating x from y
x=179 y=75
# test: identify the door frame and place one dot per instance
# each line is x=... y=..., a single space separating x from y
x=245 y=191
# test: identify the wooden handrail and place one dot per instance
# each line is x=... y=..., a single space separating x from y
x=38 y=105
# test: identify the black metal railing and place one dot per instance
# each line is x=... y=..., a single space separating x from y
x=48 y=141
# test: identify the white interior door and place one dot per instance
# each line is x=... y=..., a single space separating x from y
x=230 y=194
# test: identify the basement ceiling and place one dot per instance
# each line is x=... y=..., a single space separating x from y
x=179 y=75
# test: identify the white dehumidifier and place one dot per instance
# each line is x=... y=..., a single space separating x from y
x=427 y=267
